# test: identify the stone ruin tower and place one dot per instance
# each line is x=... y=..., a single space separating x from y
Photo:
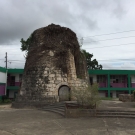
x=54 y=66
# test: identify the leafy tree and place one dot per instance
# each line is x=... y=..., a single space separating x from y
x=91 y=64
x=25 y=44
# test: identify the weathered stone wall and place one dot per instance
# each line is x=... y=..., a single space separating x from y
x=72 y=79
x=46 y=79
x=126 y=98
x=75 y=113
x=42 y=78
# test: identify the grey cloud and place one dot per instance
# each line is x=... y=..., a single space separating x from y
x=119 y=10
x=20 y=18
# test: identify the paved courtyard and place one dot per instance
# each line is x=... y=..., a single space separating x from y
x=37 y=122
x=117 y=105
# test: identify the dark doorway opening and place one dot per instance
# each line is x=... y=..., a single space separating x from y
x=64 y=93
x=91 y=80
x=12 y=83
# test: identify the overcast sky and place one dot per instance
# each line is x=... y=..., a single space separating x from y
x=19 y=18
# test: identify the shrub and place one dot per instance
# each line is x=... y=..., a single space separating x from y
x=87 y=97
x=7 y=101
x=4 y=97
x=2 y=101
x=134 y=94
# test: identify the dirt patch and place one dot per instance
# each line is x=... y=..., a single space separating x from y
x=5 y=106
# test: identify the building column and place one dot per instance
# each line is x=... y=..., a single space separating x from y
x=108 y=77
x=129 y=84
x=114 y=94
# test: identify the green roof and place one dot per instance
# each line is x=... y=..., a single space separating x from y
x=2 y=69
x=15 y=71
x=114 y=72
x=20 y=71
x=13 y=87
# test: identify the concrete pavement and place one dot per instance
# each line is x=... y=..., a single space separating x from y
x=37 y=122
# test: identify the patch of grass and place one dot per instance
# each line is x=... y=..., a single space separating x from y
x=6 y=101
x=106 y=98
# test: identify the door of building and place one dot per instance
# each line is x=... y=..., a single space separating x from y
x=12 y=83
x=64 y=93
x=91 y=80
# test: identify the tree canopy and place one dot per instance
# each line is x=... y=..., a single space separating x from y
x=25 y=44
x=91 y=64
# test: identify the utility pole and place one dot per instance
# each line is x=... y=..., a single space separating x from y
x=6 y=74
x=6 y=60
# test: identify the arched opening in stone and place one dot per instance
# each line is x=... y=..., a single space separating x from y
x=64 y=93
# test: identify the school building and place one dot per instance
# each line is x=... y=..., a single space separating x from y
x=10 y=81
x=111 y=82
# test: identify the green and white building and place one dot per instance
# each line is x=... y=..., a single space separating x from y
x=10 y=81
x=113 y=82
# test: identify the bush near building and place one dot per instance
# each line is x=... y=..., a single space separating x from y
x=88 y=97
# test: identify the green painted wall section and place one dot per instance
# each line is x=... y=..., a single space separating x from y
x=20 y=71
x=12 y=70
x=117 y=89
x=2 y=83
x=13 y=87
x=113 y=72
x=2 y=69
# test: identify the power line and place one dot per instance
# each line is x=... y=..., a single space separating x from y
x=110 y=33
x=110 y=46
x=9 y=44
x=12 y=53
x=118 y=67
x=110 y=39
x=113 y=61
x=8 y=47
x=16 y=60
x=110 y=60
x=98 y=60
x=116 y=59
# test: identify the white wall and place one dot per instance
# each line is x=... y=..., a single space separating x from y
x=2 y=77
x=132 y=78
x=114 y=94
x=94 y=78
x=11 y=93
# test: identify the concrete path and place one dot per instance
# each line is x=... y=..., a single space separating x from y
x=117 y=105
x=36 y=122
